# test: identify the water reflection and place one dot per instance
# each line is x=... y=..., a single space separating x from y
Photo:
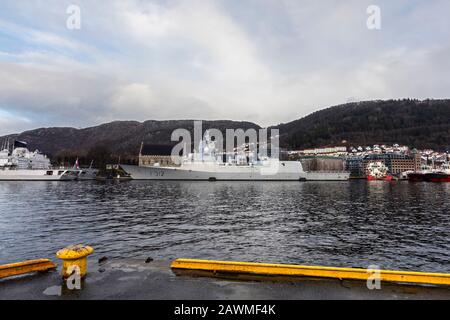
x=394 y=225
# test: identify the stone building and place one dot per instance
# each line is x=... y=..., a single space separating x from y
x=322 y=163
x=156 y=154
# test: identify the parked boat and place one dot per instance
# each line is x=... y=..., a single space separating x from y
x=420 y=175
x=427 y=174
x=21 y=164
x=37 y=175
x=377 y=170
x=438 y=177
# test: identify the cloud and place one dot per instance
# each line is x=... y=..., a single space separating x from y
x=150 y=103
x=263 y=61
x=10 y=123
x=55 y=95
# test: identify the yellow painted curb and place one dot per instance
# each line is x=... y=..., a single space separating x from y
x=292 y=270
x=14 y=269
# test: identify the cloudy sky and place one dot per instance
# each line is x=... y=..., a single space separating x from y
x=266 y=61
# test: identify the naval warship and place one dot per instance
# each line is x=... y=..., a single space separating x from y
x=207 y=163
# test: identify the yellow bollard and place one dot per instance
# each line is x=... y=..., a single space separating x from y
x=74 y=257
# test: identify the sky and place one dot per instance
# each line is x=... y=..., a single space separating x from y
x=265 y=61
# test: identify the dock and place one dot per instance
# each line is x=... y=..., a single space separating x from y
x=136 y=279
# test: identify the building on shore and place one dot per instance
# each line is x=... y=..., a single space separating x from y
x=326 y=151
x=327 y=159
x=397 y=158
x=354 y=165
x=322 y=163
x=151 y=155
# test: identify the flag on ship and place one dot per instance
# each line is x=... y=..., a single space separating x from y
x=76 y=165
x=19 y=144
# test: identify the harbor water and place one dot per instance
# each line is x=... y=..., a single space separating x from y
x=394 y=225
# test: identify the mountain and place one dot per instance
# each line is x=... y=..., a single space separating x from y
x=107 y=141
x=419 y=124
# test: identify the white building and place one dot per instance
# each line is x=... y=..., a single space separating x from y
x=327 y=151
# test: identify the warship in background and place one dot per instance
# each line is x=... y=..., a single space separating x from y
x=207 y=164
x=22 y=164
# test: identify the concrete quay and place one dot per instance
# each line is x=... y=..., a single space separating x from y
x=136 y=279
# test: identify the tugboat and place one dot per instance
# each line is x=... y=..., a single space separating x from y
x=378 y=171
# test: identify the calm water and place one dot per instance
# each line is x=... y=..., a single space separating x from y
x=394 y=225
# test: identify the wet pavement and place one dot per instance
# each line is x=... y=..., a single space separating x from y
x=133 y=279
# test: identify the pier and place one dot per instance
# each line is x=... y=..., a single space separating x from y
x=136 y=279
